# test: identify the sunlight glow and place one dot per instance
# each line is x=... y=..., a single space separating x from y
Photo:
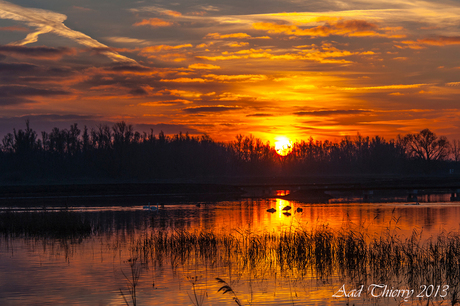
x=283 y=145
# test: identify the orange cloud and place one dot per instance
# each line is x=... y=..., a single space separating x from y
x=166 y=103
x=342 y=27
x=182 y=93
x=173 y=13
x=203 y=66
x=185 y=80
x=238 y=44
x=233 y=35
x=203 y=45
x=211 y=109
x=152 y=52
x=159 y=48
x=239 y=78
x=222 y=58
x=327 y=55
x=154 y=22
x=439 y=41
x=384 y=87
x=410 y=44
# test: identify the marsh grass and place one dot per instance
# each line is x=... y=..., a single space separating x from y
x=349 y=255
x=132 y=280
x=196 y=297
x=227 y=288
x=47 y=224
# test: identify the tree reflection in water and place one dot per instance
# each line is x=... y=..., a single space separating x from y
x=294 y=263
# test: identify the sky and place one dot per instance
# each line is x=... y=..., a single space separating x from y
x=270 y=68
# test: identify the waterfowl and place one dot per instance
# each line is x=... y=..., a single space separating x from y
x=151 y=208
x=271 y=210
x=287 y=214
x=299 y=209
x=287 y=208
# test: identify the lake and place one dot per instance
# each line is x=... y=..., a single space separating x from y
x=235 y=252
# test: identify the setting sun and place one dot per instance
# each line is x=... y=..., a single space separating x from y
x=283 y=145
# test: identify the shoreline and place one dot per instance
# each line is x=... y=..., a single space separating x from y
x=68 y=193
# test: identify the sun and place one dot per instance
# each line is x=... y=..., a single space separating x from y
x=283 y=145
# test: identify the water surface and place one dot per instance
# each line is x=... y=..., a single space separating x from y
x=97 y=269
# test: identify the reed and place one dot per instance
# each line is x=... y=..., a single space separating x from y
x=132 y=281
x=321 y=253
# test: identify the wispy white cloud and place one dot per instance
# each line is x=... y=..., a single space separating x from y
x=128 y=40
x=51 y=22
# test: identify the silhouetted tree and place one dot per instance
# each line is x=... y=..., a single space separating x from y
x=427 y=146
x=119 y=151
x=455 y=150
x=25 y=142
x=7 y=143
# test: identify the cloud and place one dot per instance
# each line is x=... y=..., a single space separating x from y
x=260 y=115
x=127 y=40
x=321 y=113
x=50 y=22
x=238 y=78
x=408 y=86
x=210 y=109
x=43 y=76
x=167 y=128
x=158 y=48
x=185 y=80
x=37 y=52
x=17 y=90
x=237 y=44
x=13 y=68
x=15 y=94
x=172 y=13
x=435 y=41
x=13 y=101
x=129 y=68
x=166 y=102
x=210 y=8
x=139 y=91
x=342 y=28
x=14 y=29
x=161 y=52
x=233 y=35
x=326 y=54
x=60 y=118
x=182 y=93
x=154 y=22
x=203 y=66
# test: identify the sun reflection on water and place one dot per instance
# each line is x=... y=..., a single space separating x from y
x=59 y=270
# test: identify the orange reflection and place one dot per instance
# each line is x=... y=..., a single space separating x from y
x=99 y=265
x=282 y=192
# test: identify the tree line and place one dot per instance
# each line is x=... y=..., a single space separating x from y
x=121 y=152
